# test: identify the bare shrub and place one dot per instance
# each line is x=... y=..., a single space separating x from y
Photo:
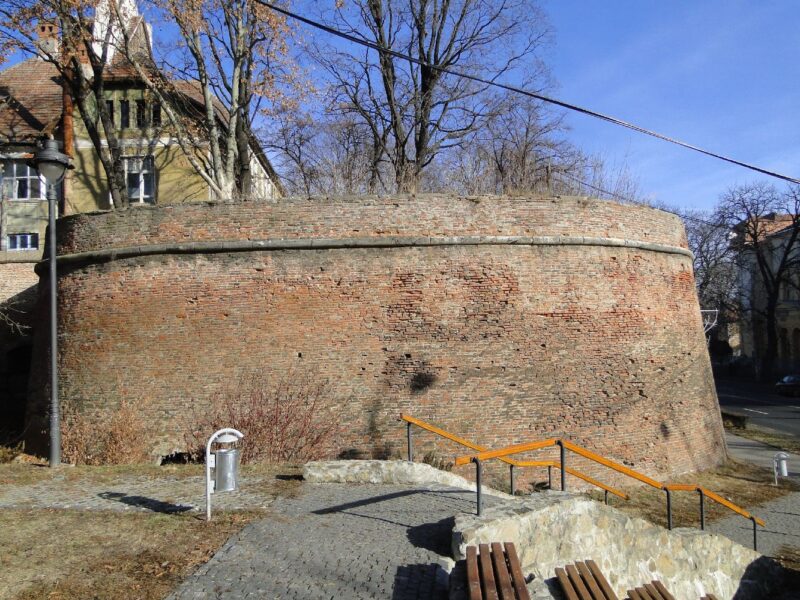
x=437 y=461
x=118 y=437
x=281 y=420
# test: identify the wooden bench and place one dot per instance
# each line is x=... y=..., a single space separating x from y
x=654 y=590
x=585 y=581
x=494 y=573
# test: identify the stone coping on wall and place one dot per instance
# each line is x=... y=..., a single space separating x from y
x=397 y=472
x=231 y=246
x=553 y=529
x=394 y=219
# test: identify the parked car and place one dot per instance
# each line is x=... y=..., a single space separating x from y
x=789 y=386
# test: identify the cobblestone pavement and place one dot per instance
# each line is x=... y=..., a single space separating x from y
x=339 y=541
x=783 y=526
x=160 y=494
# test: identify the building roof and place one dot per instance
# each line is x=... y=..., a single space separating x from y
x=30 y=101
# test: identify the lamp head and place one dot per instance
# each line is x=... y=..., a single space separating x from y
x=51 y=163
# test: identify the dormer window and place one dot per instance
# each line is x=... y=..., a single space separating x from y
x=124 y=114
x=110 y=110
x=141 y=114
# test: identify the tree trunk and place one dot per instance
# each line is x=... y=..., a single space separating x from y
x=771 y=351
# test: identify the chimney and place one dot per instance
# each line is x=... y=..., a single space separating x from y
x=48 y=38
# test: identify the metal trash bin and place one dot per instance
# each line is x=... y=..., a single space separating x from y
x=226 y=469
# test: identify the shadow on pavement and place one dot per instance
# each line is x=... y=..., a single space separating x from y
x=433 y=536
x=145 y=502
x=364 y=502
x=415 y=582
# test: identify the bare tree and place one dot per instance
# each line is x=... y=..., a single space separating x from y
x=415 y=111
x=767 y=225
x=316 y=156
x=81 y=60
x=227 y=67
x=714 y=265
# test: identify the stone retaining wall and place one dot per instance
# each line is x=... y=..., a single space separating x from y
x=553 y=529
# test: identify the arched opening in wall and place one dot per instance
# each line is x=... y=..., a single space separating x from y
x=14 y=392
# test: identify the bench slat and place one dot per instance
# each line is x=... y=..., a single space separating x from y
x=634 y=595
x=588 y=579
x=577 y=582
x=516 y=572
x=654 y=593
x=663 y=591
x=501 y=572
x=601 y=580
x=487 y=573
x=473 y=579
x=566 y=585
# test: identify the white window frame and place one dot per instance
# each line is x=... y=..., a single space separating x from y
x=147 y=166
x=30 y=174
x=31 y=242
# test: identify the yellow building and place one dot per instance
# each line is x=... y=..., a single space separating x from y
x=33 y=106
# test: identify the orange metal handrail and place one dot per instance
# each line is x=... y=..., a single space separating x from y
x=502 y=452
x=690 y=487
x=509 y=450
x=612 y=465
x=516 y=463
x=452 y=437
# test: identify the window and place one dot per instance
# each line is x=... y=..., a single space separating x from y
x=21 y=182
x=23 y=241
x=141 y=114
x=124 y=114
x=156 y=114
x=140 y=178
x=110 y=109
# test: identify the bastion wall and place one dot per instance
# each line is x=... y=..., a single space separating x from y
x=501 y=319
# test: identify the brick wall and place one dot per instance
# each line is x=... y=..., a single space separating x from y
x=500 y=343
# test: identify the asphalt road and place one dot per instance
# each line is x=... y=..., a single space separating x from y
x=760 y=404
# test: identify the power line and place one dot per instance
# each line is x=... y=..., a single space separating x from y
x=517 y=90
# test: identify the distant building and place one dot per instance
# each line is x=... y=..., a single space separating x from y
x=753 y=297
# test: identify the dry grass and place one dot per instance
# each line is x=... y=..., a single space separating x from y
x=742 y=483
x=104 y=554
x=778 y=441
x=109 y=555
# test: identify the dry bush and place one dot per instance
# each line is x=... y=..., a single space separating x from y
x=9 y=453
x=282 y=421
x=106 y=438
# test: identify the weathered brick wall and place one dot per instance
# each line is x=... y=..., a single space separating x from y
x=501 y=343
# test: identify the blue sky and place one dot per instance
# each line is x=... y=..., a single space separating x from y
x=722 y=75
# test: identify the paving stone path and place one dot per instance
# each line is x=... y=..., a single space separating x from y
x=339 y=541
x=782 y=515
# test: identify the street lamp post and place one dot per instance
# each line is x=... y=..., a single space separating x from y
x=52 y=165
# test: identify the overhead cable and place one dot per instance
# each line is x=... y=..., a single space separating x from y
x=517 y=90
